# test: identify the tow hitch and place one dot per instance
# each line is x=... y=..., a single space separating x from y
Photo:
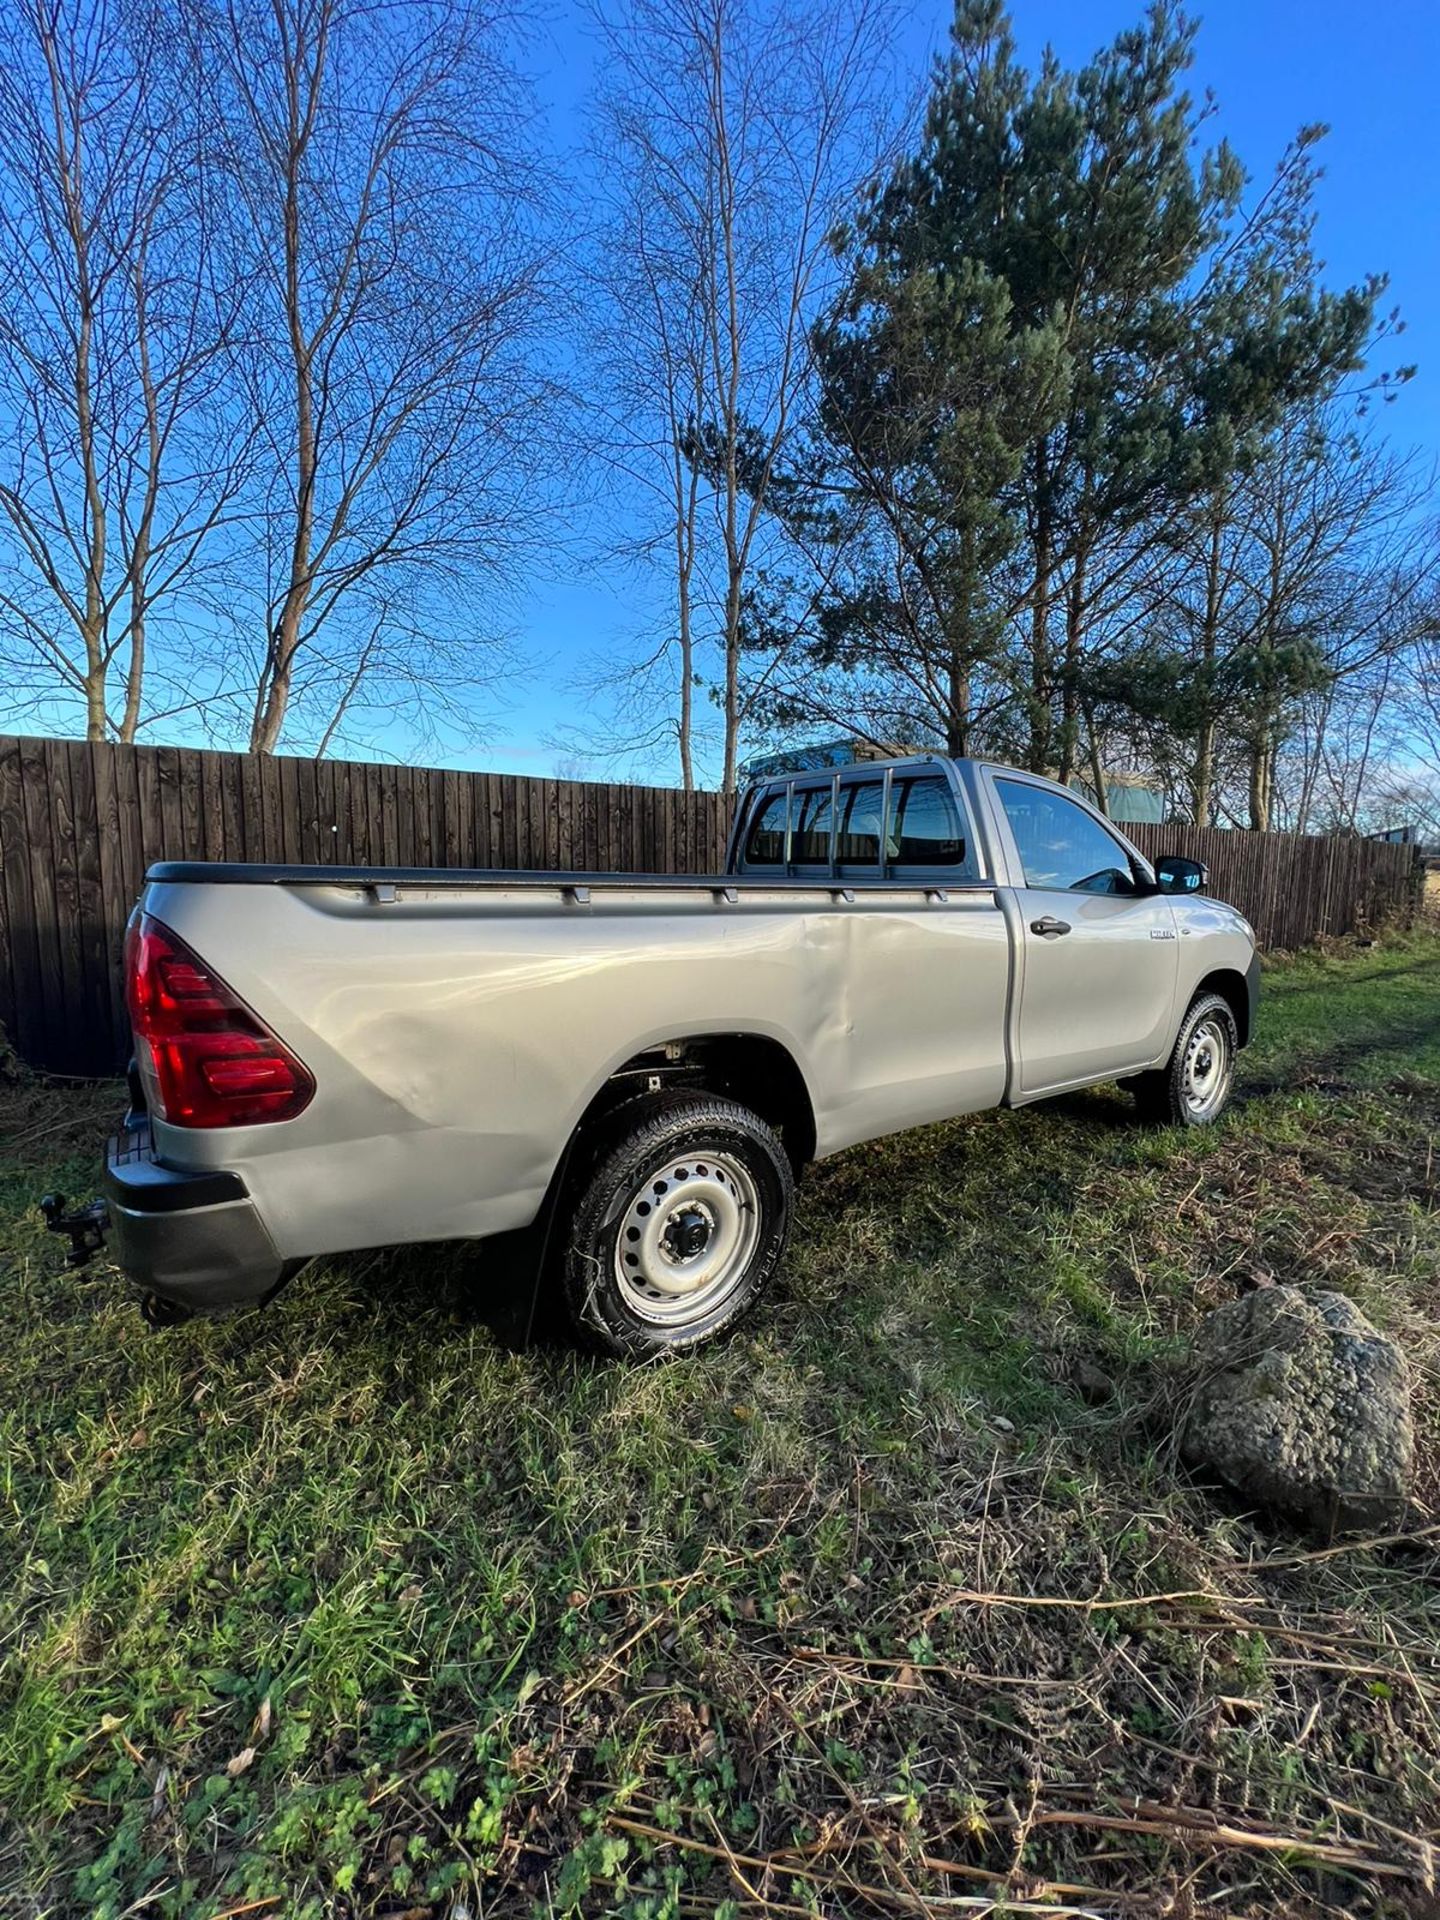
x=86 y=1227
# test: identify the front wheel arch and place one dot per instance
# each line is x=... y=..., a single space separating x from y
x=1235 y=992
x=1176 y=1094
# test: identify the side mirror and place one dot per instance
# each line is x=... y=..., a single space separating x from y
x=1175 y=874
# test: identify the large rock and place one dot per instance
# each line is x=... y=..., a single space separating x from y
x=1304 y=1408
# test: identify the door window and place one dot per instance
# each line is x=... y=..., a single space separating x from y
x=1061 y=846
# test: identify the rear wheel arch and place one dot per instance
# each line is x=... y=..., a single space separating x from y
x=753 y=1069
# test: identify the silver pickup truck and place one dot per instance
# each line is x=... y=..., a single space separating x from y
x=337 y=1058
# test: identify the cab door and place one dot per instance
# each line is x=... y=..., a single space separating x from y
x=1099 y=950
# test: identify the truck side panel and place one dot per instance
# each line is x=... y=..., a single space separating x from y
x=456 y=1038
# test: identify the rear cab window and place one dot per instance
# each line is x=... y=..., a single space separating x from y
x=924 y=830
x=765 y=844
x=857 y=842
x=917 y=831
x=811 y=845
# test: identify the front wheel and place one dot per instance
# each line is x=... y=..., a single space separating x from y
x=1194 y=1086
x=679 y=1224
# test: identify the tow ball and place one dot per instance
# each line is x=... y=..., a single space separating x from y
x=85 y=1226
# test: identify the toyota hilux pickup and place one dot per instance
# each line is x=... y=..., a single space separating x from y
x=334 y=1058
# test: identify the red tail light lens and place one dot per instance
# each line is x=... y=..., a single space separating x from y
x=205 y=1058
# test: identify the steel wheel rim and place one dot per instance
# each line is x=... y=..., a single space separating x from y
x=686 y=1237
x=1205 y=1077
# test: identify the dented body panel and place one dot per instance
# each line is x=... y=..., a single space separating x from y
x=456 y=1039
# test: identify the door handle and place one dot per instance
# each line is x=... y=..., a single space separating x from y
x=1050 y=927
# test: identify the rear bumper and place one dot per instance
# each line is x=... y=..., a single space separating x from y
x=194 y=1238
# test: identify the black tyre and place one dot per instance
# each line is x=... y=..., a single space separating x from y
x=1193 y=1088
x=679 y=1217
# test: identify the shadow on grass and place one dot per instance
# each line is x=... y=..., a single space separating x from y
x=1330 y=1060
x=432 y=1288
x=1108 y=1108
x=502 y=1284
x=1377 y=968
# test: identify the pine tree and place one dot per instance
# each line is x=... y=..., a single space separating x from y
x=1061 y=327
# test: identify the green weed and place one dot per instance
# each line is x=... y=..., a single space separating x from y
x=346 y=1608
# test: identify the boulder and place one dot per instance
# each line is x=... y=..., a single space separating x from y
x=1303 y=1407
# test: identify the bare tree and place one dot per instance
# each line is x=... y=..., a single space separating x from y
x=1405 y=787
x=655 y=370
x=1421 y=693
x=1329 y=582
x=376 y=155
x=1288 y=599
x=733 y=135
x=119 y=464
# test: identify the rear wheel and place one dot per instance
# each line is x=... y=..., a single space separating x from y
x=680 y=1220
x=1193 y=1088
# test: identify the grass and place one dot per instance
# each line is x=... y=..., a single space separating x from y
x=348 y=1608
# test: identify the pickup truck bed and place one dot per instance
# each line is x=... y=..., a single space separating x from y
x=413 y=1054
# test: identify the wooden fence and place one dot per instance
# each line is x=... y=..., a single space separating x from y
x=80 y=822
x=1295 y=887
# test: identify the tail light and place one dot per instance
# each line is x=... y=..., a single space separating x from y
x=206 y=1060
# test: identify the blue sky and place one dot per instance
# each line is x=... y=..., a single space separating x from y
x=1370 y=72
